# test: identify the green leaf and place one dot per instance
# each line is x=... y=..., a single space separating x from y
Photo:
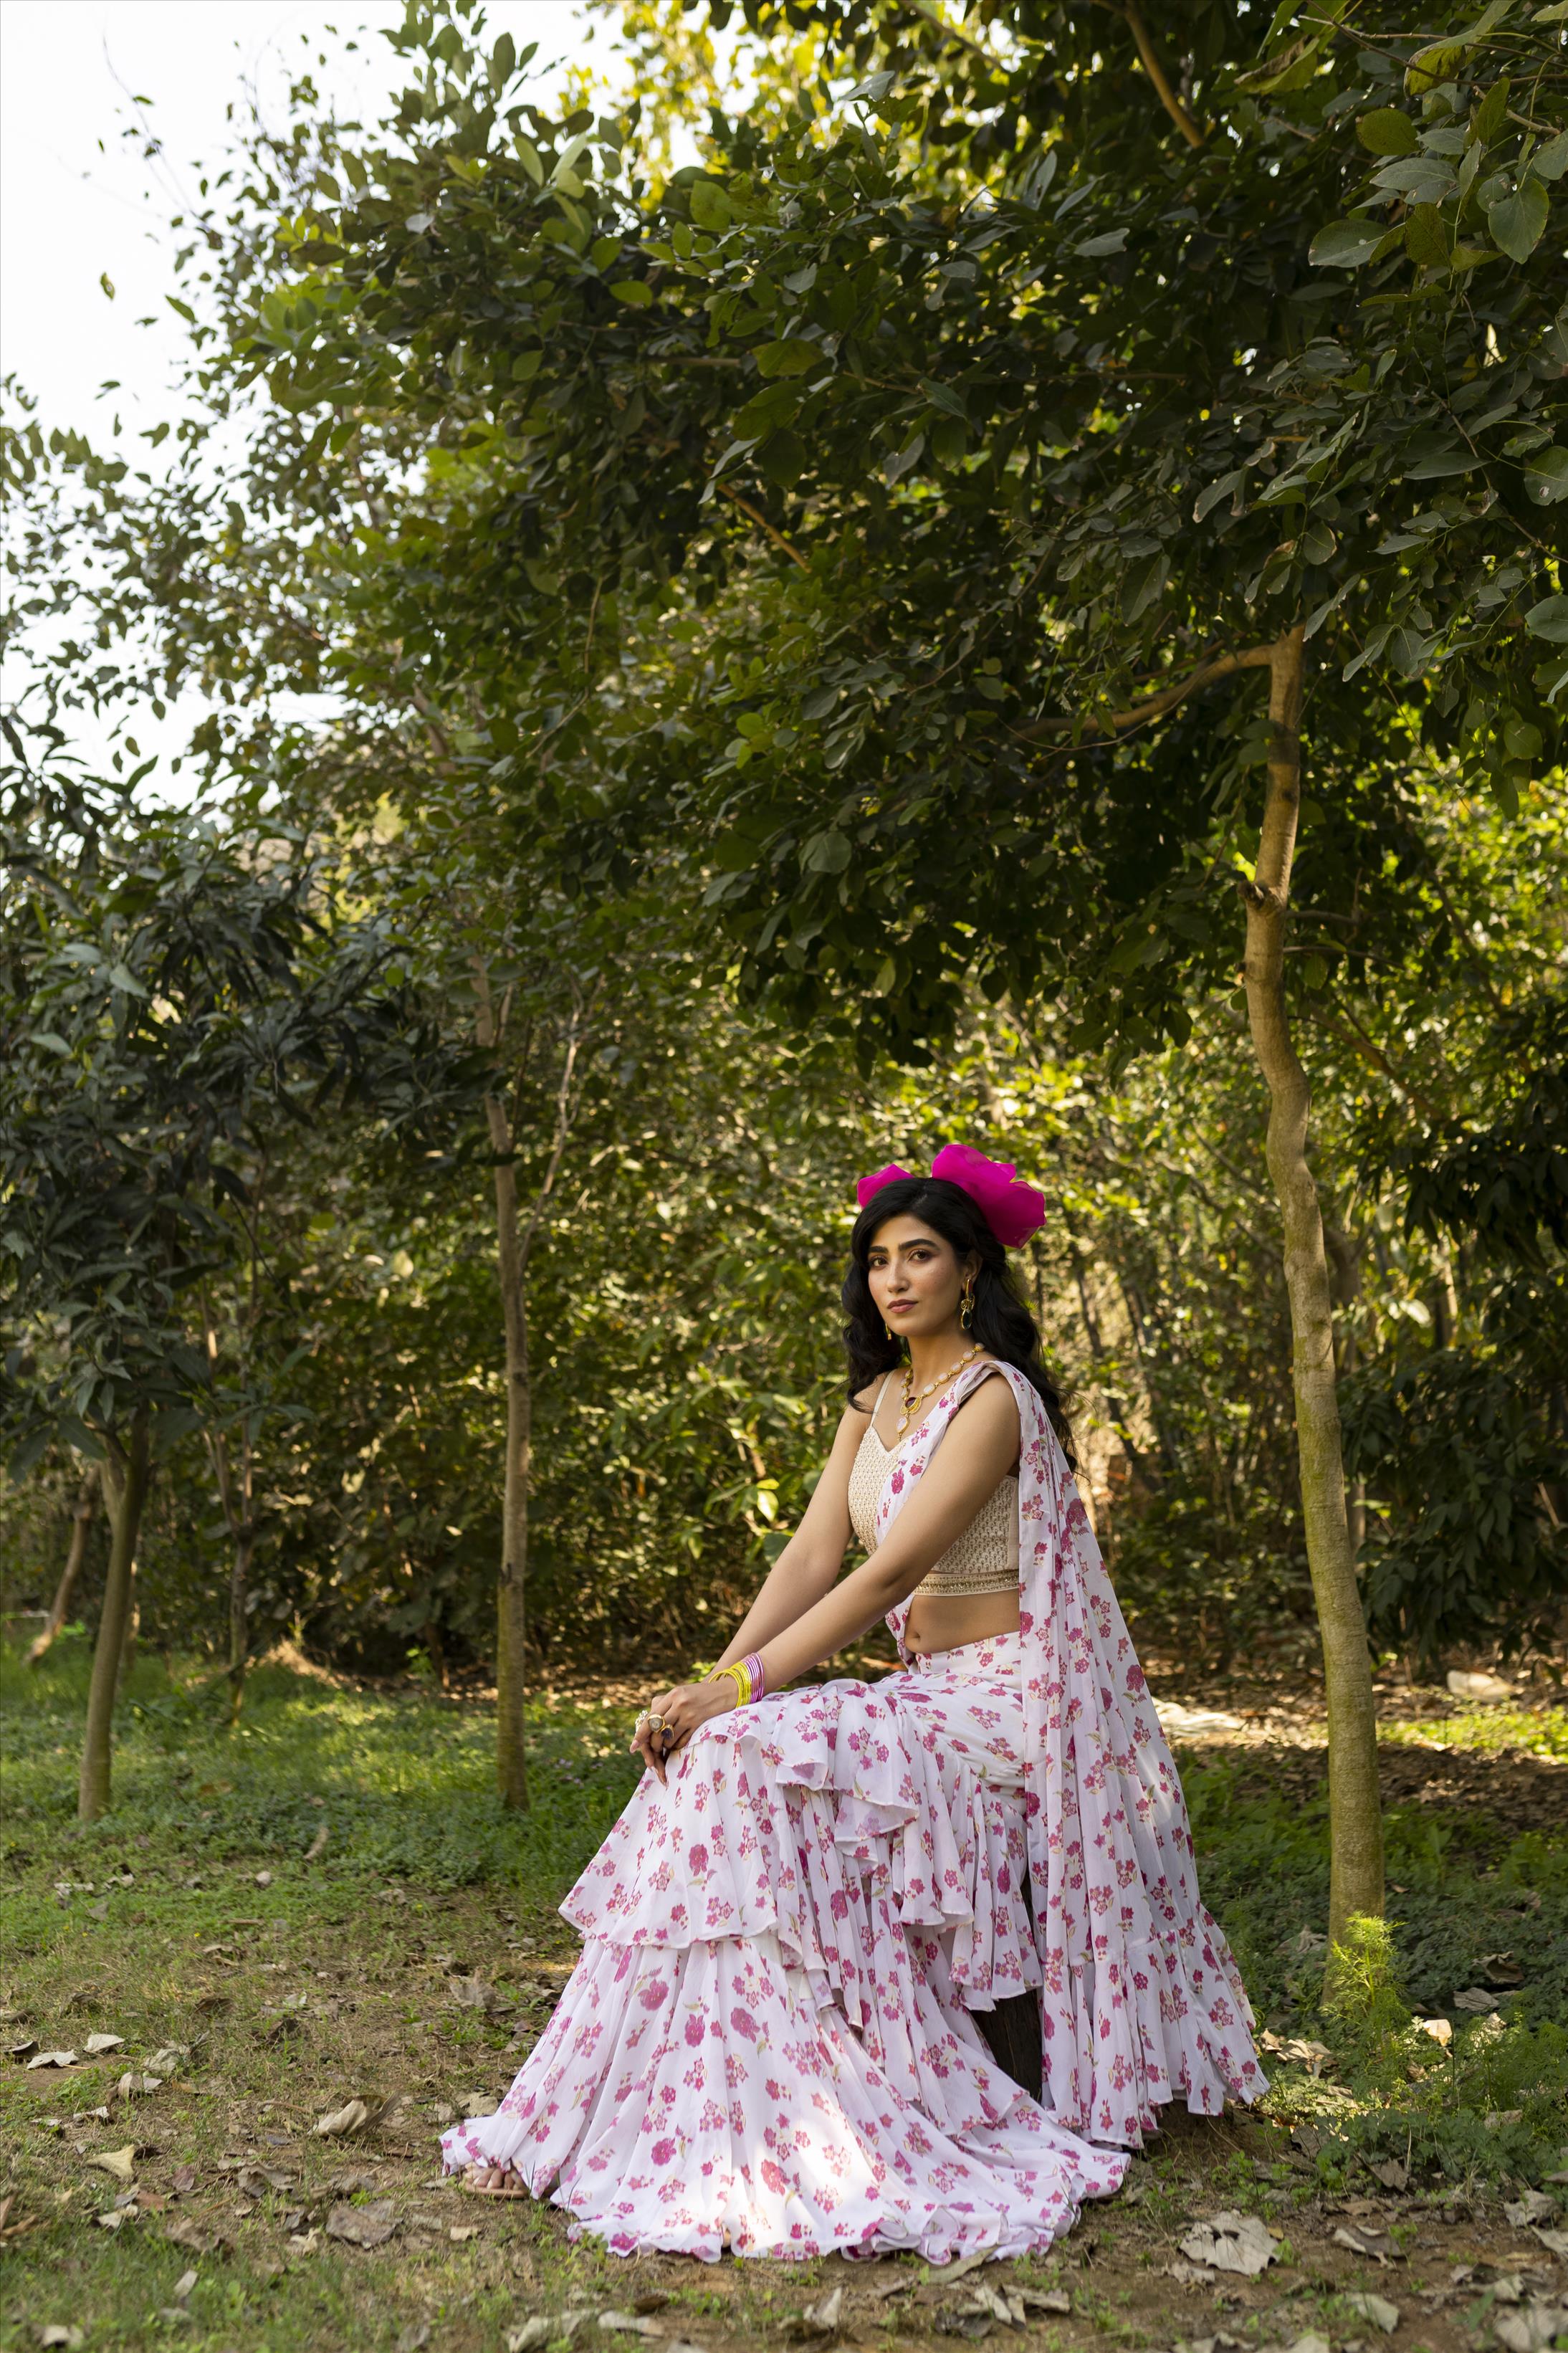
x=792 y=355
x=1546 y=477
x=1426 y=236
x=775 y=405
x=1549 y=163
x=783 y=458
x=1520 y=740
x=634 y=290
x=1388 y=131
x=1517 y=222
x=1212 y=492
x=710 y=207
x=1430 y=457
x=1549 y=619
x=1345 y=244
x=826 y=853
x=1111 y=240
x=1487 y=118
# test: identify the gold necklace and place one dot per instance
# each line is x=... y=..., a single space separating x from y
x=910 y=1397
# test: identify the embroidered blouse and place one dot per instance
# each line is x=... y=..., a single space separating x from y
x=984 y=1559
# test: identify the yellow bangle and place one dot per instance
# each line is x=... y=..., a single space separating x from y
x=742 y=1677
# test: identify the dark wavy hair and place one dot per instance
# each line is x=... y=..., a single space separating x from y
x=1002 y=1324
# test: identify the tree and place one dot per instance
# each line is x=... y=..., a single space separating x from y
x=1028 y=436
x=164 y=996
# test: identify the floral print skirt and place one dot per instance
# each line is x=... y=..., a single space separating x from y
x=767 y=2044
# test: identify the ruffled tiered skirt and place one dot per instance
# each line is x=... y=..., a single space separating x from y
x=768 y=2044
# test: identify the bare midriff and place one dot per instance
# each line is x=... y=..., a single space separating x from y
x=945 y=1622
x=939 y=1622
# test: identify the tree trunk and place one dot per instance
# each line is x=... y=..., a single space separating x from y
x=125 y=1475
x=243 y=1536
x=81 y=1520
x=511 y=1595
x=1355 y=1822
x=1345 y=1279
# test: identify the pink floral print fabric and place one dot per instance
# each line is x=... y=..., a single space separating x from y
x=1141 y=1999
x=768 y=2042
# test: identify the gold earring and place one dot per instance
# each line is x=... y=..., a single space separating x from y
x=966 y=1305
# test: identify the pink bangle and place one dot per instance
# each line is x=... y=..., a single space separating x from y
x=754 y=1667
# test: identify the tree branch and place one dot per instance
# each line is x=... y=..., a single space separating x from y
x=1128 y=10
x=1153 y=706
x=762 y=523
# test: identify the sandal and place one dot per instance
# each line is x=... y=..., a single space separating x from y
x=495 y=2181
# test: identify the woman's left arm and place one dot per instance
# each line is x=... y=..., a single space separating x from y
x=979 y=1450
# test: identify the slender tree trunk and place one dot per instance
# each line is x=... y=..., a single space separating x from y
x=1345 y=1256
x=125 y=1476
x=1355 y=1824
x=511 y=1582
x=239 y=1576
x=81 y=1520
x=514 y=1244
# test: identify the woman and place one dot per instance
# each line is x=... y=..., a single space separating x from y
x=768 y=2042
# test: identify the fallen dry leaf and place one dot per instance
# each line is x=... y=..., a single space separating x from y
x=473 y=1993
x=15 y=2226
x=363 y=2226
x=134 y=2086
x=351 y=2117
x=1465 y=1685
x=118 y=2161
x=947 y=2273
x=1554 y=2241
x=822 y=2316
x=1295 y=2052
x=531 y=2336
x=184 y=2180
x=1475 y=1998
x=1441 y=2029
x=116 y=2216
x=55 y=2332
x=197 y=2236
x=1229 y=2241
x=1376 y=2309
x=1534 y=2206
x=1531 y=2329
x=632 y=2324
x=264 y=1879
x=1046 y=2299
x=54 y=2059
x=317 y=1845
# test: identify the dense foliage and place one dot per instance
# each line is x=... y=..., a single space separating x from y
x=757 y=655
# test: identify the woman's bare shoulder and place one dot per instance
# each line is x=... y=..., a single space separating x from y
x=990 y=1405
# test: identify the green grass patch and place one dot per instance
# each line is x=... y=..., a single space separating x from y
x=205 y=1912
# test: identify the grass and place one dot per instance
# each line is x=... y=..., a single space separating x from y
x=204 y=1912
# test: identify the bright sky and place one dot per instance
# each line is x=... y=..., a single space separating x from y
x=79 y=202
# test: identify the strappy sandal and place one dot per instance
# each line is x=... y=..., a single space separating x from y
x=483 y=2189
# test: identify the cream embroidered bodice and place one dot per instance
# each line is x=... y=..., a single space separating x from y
x=984 y=1559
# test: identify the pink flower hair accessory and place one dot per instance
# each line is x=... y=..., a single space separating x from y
x=1012 y=1209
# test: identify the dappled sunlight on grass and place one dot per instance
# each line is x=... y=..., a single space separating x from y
x=403 y=1781
x=1539 y=1731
